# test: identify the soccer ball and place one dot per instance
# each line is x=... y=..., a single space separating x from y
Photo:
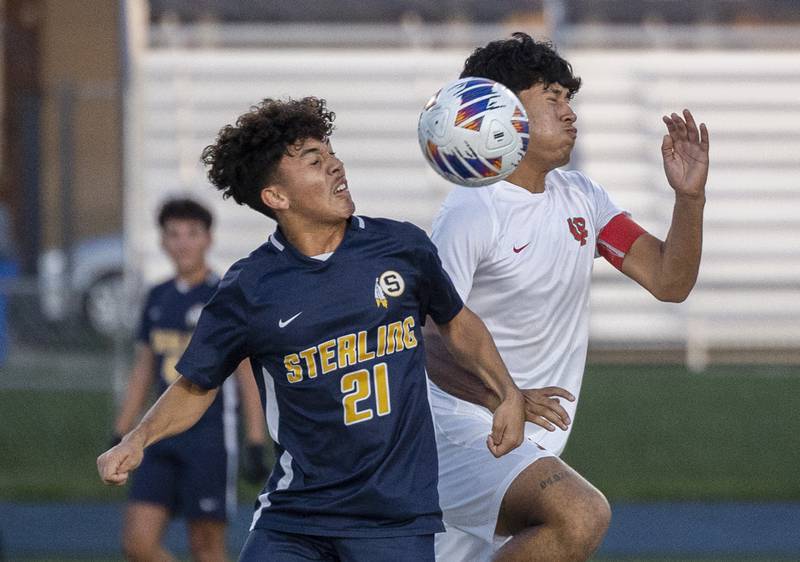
x=473 y=132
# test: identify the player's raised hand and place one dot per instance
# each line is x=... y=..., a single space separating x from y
x=508 y=425
x=543 y=409
x=685 y=152
x=116 y=464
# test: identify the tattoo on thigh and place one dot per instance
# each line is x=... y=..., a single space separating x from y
x=554 y=478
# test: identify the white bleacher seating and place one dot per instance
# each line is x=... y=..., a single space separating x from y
x=748 y=286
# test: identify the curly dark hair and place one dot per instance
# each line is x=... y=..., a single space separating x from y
x=245 y=156
x=521 y=62
x=184 y=209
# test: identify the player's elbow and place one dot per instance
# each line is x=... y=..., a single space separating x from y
x=674 y=293
x=673 y=298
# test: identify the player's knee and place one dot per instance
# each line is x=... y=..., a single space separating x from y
x=207 y=547
x=583 y=532
x=137 y=547
x=203 y=553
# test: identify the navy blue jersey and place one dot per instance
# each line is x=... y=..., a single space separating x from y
x=170 y=314
x=337 y=350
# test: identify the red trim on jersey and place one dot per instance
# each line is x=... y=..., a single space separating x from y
x=617 y=237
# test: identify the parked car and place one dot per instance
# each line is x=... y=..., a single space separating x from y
x=88 y=286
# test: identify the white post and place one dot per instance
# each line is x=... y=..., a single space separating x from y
x=133 y=29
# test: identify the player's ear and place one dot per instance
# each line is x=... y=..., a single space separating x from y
x=273 y=197
x=162 y=236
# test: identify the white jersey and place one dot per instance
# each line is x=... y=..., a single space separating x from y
x=522 y=262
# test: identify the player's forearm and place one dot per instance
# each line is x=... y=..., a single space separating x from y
x=255 y=424
x=255 y=427
x=451 y=377
x=135 y=398
x=681 y=251
x=471 y=344
x=178 y=409
x=136 y=393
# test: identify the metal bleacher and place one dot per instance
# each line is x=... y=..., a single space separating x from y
x=747 y=293
x=746 y=299
x=186 y=96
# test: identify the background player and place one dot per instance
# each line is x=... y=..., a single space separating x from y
x=520 y=253
x=329 y=310
x=193 y=474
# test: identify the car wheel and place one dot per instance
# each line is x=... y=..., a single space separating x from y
x=104 y=305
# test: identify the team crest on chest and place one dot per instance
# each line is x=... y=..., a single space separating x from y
x=388 y=284
x=577 y=227
x=193 y=315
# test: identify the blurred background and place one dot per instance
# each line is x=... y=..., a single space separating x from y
x=690 y=413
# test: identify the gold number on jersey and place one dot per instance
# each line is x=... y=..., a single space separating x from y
x=357 y=386
x=170 y=344
x=168 y=370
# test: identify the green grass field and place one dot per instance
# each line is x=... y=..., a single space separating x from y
x=660 y=432
x=49 y=442
x=641 y=433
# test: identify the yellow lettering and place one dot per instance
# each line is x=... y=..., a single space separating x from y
x=311 y=362
x=381 y=341
x=382 y=401
x=409 y=338
x=326 y=354
x=347 y=350
x=394 y=338
x=169 y=341
x=356 y=388
x=171 y=344
x=363 y=352
x=168 y=371
x=295 y=371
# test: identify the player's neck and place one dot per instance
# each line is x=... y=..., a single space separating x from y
x=193 y=277
x=529 y=177
x=313 y=240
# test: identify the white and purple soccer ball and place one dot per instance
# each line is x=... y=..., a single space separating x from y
x=473 y=132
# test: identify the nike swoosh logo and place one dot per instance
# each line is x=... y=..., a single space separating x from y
x=284 y=323
x=518 y=250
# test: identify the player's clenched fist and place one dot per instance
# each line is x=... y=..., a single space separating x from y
x=508 y=425
x=116 y=464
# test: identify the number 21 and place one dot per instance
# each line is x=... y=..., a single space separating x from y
x=357 y=387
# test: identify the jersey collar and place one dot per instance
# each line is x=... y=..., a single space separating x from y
x=183 y=287
x=280 y=243
x=512 y=192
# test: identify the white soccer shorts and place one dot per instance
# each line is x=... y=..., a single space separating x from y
x=472 y=482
